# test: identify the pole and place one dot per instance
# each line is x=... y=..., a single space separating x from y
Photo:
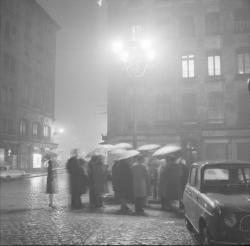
x=134 y=135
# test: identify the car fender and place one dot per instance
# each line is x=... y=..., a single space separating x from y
x=210 y=219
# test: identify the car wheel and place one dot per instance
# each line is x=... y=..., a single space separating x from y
x=205 y=238
x=188 y=224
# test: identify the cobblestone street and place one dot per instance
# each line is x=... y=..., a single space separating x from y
x=27 y=219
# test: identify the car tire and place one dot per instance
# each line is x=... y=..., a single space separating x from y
x=205 y=238
x=188 y=224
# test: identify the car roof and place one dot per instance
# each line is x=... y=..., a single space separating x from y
x=208 y=163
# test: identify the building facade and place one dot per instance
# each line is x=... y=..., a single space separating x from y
x=27 y=83
x=195 y=92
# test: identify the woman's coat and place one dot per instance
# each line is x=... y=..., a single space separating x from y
x=140 y=180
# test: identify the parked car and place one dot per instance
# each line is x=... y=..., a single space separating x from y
x=6 y=173
x=217 y=201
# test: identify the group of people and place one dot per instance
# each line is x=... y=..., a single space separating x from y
x=134 y=178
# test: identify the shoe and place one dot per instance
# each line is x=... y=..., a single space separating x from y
x=141 y=213
x=52 y=206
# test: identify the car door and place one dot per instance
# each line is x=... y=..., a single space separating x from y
x=189 y=202
x=198 y=207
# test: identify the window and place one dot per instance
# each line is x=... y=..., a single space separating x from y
x=216 y=107
x=214 y=65
x=212 y=21
x=242 y=20
x=9 y=63
x=163 y=108
x=26 y=93
x=7 y=32
x=11 y=95
x=187 y=66
x=186 y=26
x=243 y=62
x=3 y=95
x=192 y=178
x=23 y=127
x=216 y=174
x=6 y=126
x=46 y=131
x=189 y=108
x=35 y=128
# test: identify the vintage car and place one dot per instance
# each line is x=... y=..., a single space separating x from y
x=6 y=173
x=217 y=201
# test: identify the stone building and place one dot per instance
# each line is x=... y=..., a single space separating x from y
x=195 y=92
x=27 y=83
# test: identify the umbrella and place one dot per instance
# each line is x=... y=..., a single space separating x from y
x=148 y=147
x=128 y=154
x=49 y=154
x=123 y=146
x=166 y=150
x=101 y=149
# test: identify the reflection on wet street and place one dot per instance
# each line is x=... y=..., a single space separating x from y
x=29 y=193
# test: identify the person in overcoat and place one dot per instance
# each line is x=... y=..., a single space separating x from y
x=141 y=183
x=84 y=176
x=74 y=171
x=51 y=188
x=172 y=181
x=96 y=173
x=122 y=179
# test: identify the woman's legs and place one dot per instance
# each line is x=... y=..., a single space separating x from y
x=51 y=200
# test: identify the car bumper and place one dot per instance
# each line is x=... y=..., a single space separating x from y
x=229 y=242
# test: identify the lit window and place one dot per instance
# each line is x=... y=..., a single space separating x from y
x=46 y=131
x=214 y=65
x=243 y=63
x=35 y=129
x=23 y=127
x=188 y=66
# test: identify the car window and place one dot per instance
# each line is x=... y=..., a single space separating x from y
x=216 y=174
x=192 y=178
x=3 y=168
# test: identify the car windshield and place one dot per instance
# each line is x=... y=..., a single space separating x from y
x=227 y=178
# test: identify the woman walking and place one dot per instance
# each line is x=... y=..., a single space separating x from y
x=51 y=182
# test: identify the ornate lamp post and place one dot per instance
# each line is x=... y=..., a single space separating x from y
x=135 y=54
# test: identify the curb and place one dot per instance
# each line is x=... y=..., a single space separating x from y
x=33 y=175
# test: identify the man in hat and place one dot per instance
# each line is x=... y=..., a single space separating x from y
x=141 y=183
x=75 y=172
x=122 y=179
x=170 y=181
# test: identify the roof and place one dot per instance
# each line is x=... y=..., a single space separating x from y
x=221 y=162
x=45 y=13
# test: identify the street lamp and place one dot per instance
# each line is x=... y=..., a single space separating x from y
x=135 y=54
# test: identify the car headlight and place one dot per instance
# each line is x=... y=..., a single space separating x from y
x=230 y=220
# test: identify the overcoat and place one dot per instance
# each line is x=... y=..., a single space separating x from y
x=141 y=182
x=98 y=176
x=51 y=179
x=122 y=179
x=170 y=181
x=75 y=178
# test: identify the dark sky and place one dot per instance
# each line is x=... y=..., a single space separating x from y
x=80 y=71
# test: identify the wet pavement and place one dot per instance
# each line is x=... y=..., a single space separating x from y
x=26 y=219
